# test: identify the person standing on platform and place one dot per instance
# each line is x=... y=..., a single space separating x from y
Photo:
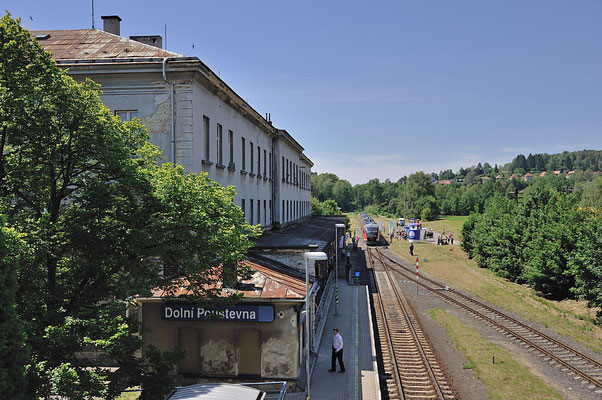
x=337 y=351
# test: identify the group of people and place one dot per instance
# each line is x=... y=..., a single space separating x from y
x=445 y=239
x=399 y=234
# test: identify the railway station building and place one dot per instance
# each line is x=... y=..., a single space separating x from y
x=262 y=337
x=193 y=116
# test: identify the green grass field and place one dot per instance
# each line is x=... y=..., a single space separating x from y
x=503 y=379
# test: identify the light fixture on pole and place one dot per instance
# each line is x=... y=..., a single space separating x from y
x=336 y=266
x=315 y=256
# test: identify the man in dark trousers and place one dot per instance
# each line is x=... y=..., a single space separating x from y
x=337 y=351
x=411 y=249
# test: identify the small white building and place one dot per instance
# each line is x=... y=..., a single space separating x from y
x=193 y=116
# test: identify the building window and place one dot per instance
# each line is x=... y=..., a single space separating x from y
x=270 y=204
x=283 y=174
x=242 y=206
x=283 y=212
x=220 y=145
x=265 y=164
x=265 y=214
x=259 y=212
x=271 y=166
x=252 y=158
x=207 y=138
x=258 y=160
x=244 y=152
x=127 y=115
x=231 y=146
x=251 y=210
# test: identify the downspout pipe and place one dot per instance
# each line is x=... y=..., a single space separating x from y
x=173 y=121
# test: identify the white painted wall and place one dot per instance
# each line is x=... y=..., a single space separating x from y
x=149 y=94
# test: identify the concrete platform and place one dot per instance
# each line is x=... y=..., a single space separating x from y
x=354 y=320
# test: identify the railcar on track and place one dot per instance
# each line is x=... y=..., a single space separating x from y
x=370 y=229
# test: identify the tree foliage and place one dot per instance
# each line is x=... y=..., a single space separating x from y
x=12 y=344
x=102 y=220
x=546 y=240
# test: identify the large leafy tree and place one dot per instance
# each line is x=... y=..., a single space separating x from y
x=12 y=346
x=102 y=220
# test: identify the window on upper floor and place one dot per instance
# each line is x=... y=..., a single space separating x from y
x=127 y=115
x=220 y=144
x=251 y=153
x=265 y=164
x=244 y=152
x=231 y=146
x=258 y=160
x=206 y=133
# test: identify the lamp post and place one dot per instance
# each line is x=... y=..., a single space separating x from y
x=315 y=256
x=336 y=266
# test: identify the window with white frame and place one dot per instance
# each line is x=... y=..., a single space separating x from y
x=127 y=115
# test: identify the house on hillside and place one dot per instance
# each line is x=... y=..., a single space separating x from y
x=499 y=178
x=485 y=179
x=557 y=173
x=444 y=182
x=193 y=116
x=528 y=177
x=543 y=174
x=570 y=174
x=513 y=176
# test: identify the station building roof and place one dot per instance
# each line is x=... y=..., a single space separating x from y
x=315 y=233
x=94 y=44
x=266 y=283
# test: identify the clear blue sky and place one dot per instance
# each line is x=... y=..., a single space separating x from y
x=385 y=88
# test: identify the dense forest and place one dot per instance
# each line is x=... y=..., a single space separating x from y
x=454 y=193
x=551 y=239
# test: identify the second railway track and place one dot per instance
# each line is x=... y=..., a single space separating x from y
x=577 y=365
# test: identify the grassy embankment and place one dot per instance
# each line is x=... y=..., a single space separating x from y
x=450 y=263
x=503 y=379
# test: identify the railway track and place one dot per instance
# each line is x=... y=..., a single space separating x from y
x=412 y=370
x=577 y=365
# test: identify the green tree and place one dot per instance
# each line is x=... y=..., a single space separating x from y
x=12 y=345
x=586 y=261
x=101 y=218
x=418 y=188
x=342 y=193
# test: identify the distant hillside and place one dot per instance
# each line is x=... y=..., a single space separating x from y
x=582 y=160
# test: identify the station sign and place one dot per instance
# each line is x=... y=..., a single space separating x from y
x=238 y=313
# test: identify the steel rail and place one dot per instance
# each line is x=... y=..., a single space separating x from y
x=406 y=315
x=556 y=358
x=505 y=316
x=389 y=340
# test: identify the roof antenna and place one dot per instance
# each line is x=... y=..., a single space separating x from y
x=92 y=14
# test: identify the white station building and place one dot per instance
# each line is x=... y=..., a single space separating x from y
x=193 y=116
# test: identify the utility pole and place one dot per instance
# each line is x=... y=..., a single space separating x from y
x=404 y=202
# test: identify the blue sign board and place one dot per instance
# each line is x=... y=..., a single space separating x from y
x=413 y=232
x=239 y=313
